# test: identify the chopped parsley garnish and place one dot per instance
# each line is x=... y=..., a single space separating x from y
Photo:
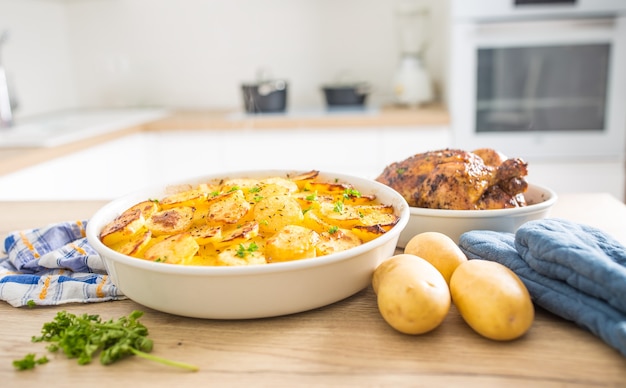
x=351 y=193
x=29 y=362
x=242 y=251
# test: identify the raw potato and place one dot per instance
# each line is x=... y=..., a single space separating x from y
x=492 y=300
x=439 y=250
x=413 y=297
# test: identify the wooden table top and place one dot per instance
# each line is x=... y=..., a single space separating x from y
x=344 y=344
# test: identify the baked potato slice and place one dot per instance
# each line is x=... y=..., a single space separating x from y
x=238 y=234
x=176 y=249
x=302 y=179
x=206 y=234
x=122 y=227
x=314 y=222
x=326 y=187
x=274 y=212
x=358 y=199
x=307 y=199
x=243 y=184
x=170 y=221
x=336 y=240
x=348 y=216
x=292 y=242
x=188 y=198
x=370 y=232
x=279 y=185
x=147 y=208
x=227 y=208
x=135 y=244
x=241 y=254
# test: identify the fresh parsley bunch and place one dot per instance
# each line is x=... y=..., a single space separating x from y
x=83 y=336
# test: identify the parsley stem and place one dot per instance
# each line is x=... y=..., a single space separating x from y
x=165 y=361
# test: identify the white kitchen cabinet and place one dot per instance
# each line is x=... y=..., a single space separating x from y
x=115 y=168
x=105 y=171
x=580 y=176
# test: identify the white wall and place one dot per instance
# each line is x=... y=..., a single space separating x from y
x=195 y=53
x=37 y=56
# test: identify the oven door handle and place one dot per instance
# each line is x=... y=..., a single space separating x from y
x=545 y=32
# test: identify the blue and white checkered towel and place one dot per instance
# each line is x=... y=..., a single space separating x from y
x=53 y=265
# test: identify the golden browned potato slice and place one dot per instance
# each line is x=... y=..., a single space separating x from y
x=292 y=242
x=241 y=254
x=189 y=198
x=226 y=208
x=337 y=240
x=338 y=213
x=378 y=218
x=368 y=233
x=170 y=221
x=352 y=199
x=122 y=227
x=314 y=222
x=302 y=179
x=174 y=249
x=238 y=235
x=147 y=208
x=254 y=190
x=209 y=188
x=205 y=234
x=243 y=184
x=279 y=185
x=307 y=199
x=305 y=176
x=135 y=245
x=326 y=187
x=275 y=212
x=350 y=216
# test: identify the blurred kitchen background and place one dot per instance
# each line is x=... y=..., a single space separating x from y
x=415 y=56
x=195 y=53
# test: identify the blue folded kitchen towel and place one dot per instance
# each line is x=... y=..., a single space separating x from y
x=582 y=256
x=53 y=265
x=553 y=294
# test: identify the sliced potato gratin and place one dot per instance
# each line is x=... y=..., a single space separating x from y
x=249 y=221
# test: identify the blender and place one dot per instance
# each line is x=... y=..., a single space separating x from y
x=412 y=85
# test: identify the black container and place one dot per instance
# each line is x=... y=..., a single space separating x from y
x=265 y=96
x=346 y=95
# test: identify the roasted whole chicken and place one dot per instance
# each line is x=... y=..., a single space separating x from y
x=459 y=180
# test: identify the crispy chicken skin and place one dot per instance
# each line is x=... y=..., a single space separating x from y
x=460 y=180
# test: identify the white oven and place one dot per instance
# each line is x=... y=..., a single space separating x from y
x=539 y=79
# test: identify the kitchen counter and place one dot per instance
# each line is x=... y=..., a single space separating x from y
x=344 y=344
x=13 y=159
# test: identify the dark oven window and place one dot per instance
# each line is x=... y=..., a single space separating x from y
x=542 y=88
